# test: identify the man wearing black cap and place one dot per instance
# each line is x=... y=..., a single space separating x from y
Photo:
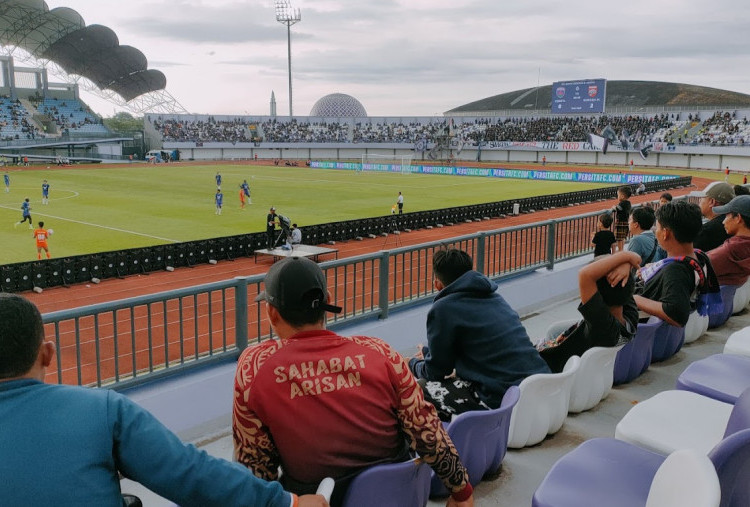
x=271 y=228
x=323 y=405
x=731 y=260
x=712 y=234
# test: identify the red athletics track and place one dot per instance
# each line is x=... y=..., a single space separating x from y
x=201 y=329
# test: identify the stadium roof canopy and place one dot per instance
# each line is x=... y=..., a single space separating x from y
x=629 y=94
x=94 y=52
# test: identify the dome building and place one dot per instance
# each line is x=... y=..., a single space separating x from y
x=337 y=105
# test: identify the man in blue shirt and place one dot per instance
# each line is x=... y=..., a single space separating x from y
x=6 y=177
x=45 y=192
x=65 y=445
x=246 y=190
x=218 y=179
x=26 y=213
x=219 y=200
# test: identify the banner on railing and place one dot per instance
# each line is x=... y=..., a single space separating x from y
x=522 y=174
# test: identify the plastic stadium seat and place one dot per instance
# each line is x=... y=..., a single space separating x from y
x=722 y=377
x=604 y=471
x=668 y=341
x=635 y=357
x=481 y=438
x=738 y=343
x=405 y=484
x=673 y=420
x=695 y=327
x=727 y=299
x=543 y=405
x=741 y=297
x=594 y=377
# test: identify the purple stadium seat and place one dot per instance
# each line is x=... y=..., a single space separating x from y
x=668 y=341
x=405 y=484
x=601 y=471
x=722 y=377
x=633 y=359
x=604 y=471
x=481 y=438
x=727 y=299
x=731 y=457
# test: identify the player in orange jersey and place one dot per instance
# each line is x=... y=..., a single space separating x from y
x=242 y=199
x=41 y=235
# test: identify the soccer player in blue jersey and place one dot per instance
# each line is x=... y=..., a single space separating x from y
x=218 y=179
x=246 y=190
x=26 y=210
x=45 y=192
x=219 y=199
x=6 y=178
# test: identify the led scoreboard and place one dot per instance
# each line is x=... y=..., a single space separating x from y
x=584 y=96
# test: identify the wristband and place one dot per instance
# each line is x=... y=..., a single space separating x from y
x=463 y=494
x=295 y=500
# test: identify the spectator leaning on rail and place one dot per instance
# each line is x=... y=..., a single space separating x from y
x=610 y=316
x=323 y=405
x=471 y=329
x=731 y=260
x=712 y=234
x=671 y=288
x=64 y=445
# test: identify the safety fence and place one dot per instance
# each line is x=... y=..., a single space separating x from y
x=24 y=276
x=134 y=340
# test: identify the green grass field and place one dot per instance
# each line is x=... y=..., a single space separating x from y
x=104 y=208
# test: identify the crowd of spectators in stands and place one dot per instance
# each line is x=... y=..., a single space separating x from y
x=295 y=131
x=524 y=129
x=68 y=115
x=14 y=121
x=209 y=130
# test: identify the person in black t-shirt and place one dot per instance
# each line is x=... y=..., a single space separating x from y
x=604 y=238
x=271 y=228
x=610 y=316
x=669 y=286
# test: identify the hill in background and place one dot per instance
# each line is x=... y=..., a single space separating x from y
x=619 y=94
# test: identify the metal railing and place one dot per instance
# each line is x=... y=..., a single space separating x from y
x=127 y=342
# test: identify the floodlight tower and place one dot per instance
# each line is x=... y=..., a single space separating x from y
x=287 y=15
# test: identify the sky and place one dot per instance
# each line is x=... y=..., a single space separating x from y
x=419 y=57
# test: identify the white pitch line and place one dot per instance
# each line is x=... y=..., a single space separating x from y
x=116 y=229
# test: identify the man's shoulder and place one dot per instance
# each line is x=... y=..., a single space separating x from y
x=257 y=354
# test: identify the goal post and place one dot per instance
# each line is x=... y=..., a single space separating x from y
x=387 y=163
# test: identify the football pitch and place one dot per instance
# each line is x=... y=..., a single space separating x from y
x=105 y=208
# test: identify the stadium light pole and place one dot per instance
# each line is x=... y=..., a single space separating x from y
x=287 y=15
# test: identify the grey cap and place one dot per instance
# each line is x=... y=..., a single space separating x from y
x=739 y=205
x=718 y=191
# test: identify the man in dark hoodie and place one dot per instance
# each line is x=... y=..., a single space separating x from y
x=471 y=329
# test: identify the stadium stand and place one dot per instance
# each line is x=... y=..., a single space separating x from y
x=15 y=121
x=71 y=116
x=627 y=128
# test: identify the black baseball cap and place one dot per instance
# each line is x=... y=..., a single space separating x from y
x=296 y=284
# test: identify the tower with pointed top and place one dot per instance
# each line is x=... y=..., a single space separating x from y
x=273 y=105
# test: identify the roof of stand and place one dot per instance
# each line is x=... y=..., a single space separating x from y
x=94 y=52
